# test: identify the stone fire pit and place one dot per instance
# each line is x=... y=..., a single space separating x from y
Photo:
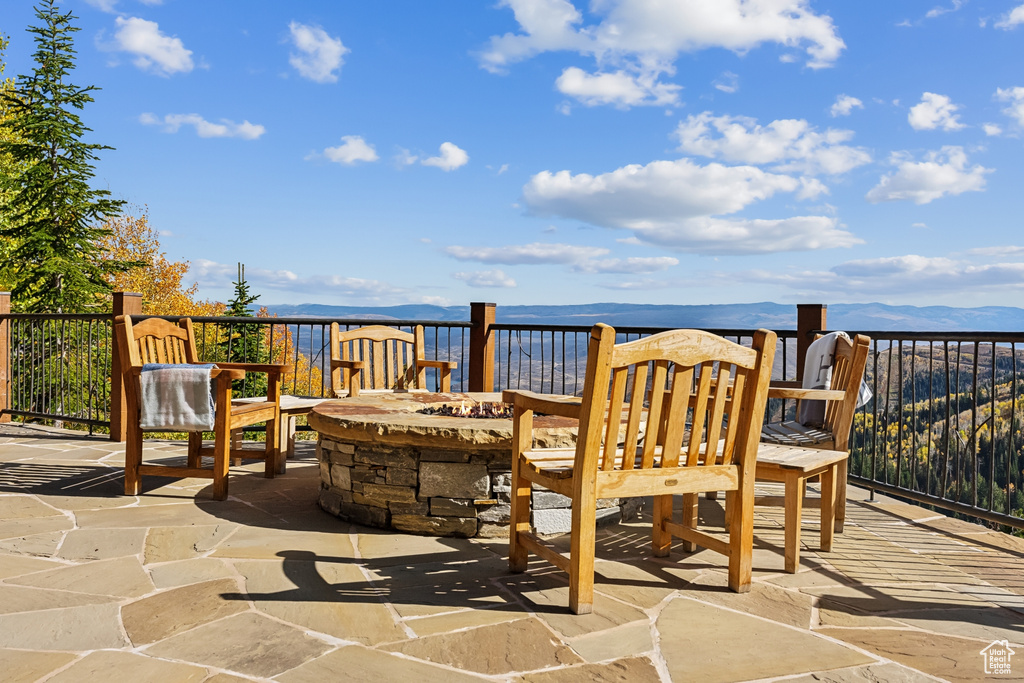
x=382 y=464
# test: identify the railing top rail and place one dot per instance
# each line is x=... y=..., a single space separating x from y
x=310 y=320
x=55 y=316
x=631 y=329
x=932 y=336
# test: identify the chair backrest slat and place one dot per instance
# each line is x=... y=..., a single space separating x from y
x=635 y=413
x=614 y=427
x=655 y=401
x=389 y=355
x=699 y=398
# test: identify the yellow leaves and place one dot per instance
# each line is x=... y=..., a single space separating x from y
x=158 y=280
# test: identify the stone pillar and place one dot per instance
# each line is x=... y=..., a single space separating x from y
x=481 y=347
x=5 y=357
x=125 y=303
x=809 y=318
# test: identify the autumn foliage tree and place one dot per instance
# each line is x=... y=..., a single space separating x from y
x=159 y=280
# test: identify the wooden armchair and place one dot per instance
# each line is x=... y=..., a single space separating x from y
x=381 y=357
x=670 y=387
x=792 y=452
x=155 y=340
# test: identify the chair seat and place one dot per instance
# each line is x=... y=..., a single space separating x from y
x=795 y=434
x=805 y=460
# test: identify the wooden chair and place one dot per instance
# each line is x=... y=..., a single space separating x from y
x=155 y=340
x=792 y=452
x=381 y=357
x=670 y=387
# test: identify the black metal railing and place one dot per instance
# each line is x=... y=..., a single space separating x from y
x=944 y=426
x=59 y=367
x=552 y=358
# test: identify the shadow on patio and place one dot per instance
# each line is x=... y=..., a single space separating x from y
x=172 y=586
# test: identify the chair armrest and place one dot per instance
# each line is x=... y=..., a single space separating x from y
x=230 y=373
x=807 y=394
x=350 y=364
x=439 y=364
x=270 y=368
x=549 y=404
x=785 y=384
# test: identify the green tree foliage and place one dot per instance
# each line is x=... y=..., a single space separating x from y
x=7 y=169
x=245 y=343
x=53 y=217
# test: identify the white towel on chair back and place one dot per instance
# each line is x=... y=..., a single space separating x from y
x=818 y=375
x=176 y=398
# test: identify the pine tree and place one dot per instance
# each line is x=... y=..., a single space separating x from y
x=54 y=218
x=239 y=306
x=7 y=168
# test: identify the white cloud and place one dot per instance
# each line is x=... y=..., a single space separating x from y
x=942 y=173
x=910 y=274
x=451 y=157
x=103 y=5
x=580 y=259
x=1000 y=252
x=939 y=10
x=1012 y=19
x=486 y=278
x=934 y=111
x=620 y=88
x=405 y=158
x=991 y=129
x=790 y=144
x=728 y=83
x=845 y=104
x=631 y=265
x=527 y=254
x=318 y=55
x=225 y=128
x=153 y=50
x=635 y=42
x=352 y=150
x=1015 y=96
x=218 y=275
x=650 y=30
x=674 y=204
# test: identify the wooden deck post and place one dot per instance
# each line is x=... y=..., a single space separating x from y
x=809 y=318
x=481 y=347
x=125 y=303
x=5 y=357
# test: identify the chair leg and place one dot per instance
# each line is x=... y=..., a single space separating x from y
x=195 y=443
x=273 y=460
x=841 y=496
x=795 y=487
x=132 y=460
x=520 y=520
x=661 y=540
x=288 y=436
x=221 y=459
x=741 y=537
x=690 y=502
x=581 y=556
x=828 y=506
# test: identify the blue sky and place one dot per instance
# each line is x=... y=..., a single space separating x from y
x=561 y=152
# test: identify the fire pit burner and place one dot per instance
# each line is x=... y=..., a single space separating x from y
x=495 y=410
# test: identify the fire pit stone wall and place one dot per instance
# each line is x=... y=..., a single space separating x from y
x=385 y=466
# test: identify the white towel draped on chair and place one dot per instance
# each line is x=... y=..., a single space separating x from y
x=176 y=398
x=818 y=375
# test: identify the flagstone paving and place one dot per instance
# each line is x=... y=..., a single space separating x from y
x=172 y=586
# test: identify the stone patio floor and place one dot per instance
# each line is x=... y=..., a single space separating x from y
x=171 y=586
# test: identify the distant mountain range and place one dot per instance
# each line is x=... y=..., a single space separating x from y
x=854 y=317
